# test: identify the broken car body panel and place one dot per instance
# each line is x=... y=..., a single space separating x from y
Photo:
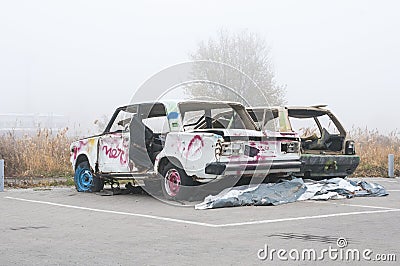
x=325 y=151
x=189 y=134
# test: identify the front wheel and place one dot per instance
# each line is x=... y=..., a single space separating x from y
x=175 y=183
x=85 y=180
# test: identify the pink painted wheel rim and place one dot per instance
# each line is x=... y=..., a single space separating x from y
x=172 y=182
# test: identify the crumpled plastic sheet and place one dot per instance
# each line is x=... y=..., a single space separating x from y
x=339 y=188
x=289 y=191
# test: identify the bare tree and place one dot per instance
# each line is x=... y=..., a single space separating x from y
x=247 y=52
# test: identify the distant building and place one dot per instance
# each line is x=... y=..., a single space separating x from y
x=30 y=123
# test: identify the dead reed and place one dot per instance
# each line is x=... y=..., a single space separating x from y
x=44 y=154
x=373 y=147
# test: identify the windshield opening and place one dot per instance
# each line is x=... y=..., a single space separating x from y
x=214 y=116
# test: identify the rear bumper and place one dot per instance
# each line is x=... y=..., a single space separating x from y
x=261 y=168
x=325 y=166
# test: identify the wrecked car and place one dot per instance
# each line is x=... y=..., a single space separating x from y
x=182 y=143
x=325 y=151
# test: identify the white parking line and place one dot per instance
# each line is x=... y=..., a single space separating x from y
x=389 y=181
x=354 y=205
x=114 y=212
x=306 y=218
x=167 y=219
x=367 y=206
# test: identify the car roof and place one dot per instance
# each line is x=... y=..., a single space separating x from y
x=176 y=102
x=296 y=111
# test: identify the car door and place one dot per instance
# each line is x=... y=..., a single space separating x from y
x=113 y=149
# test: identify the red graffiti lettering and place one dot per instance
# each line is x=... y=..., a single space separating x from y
x=114 y=153
x=195 y=145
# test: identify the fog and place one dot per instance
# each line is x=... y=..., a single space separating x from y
x=82 y=59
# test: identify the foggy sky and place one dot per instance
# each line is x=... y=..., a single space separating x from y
x=82 y=59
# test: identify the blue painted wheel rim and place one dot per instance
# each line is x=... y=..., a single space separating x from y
x=83 y=179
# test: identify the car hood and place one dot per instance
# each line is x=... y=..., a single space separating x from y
x=249 y=134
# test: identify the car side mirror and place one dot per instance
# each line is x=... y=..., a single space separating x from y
x=350 y=147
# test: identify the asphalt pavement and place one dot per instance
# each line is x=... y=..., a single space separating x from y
x=63 y=227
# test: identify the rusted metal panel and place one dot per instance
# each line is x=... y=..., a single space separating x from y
x=326 y=155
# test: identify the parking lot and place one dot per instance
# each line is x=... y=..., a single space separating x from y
x=62 y=226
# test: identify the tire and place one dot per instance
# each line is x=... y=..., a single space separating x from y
x=85 y=180
x=175 y=183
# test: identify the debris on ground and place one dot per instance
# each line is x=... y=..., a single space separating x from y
x=129 y=189
x=289 y=191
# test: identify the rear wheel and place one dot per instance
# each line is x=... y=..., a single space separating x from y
x=85 y=180
x=175 y=183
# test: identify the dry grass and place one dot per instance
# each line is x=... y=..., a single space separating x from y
x=42 y=155
x=373 y=148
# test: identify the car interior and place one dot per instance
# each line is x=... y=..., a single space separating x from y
x=319 y=138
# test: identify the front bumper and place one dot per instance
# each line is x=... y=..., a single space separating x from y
x=260 y=168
